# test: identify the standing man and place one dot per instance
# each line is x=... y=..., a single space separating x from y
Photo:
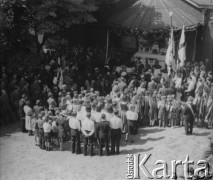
x=103 y=135
x=115 y=132
x=22 y=103
x=41 y=130
x=75 y=133
x=189 y=115
x=88 y=129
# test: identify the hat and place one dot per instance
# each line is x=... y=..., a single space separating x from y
x=63 y=113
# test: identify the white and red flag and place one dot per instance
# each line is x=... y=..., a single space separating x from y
x=182 y=49
x=170 y=60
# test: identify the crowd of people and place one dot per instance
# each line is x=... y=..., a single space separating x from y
x=99 y=105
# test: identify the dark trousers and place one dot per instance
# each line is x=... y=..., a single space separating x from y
x=88 y=141
x=75 y=141
x=189 y=126
x=132 y=127
x=115 y=137
x=41 y=138
x=22 y=124
x=103 y=142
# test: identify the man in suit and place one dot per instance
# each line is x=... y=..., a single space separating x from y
x=189 y=115
x=102 y=130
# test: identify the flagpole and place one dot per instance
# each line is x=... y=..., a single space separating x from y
x=171 y=26
x=107 y=47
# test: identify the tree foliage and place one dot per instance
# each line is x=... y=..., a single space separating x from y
x=30 y=24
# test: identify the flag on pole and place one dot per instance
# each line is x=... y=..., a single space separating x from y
x=170 y=61
x=182 y=49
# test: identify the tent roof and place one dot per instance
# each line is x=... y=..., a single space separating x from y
x=155 y=14
x=203 y=2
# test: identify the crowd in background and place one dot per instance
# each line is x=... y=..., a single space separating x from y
x=92 y=102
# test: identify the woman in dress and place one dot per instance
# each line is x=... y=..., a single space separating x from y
x=28 y=118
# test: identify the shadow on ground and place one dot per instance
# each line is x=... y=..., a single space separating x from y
x=9 y=129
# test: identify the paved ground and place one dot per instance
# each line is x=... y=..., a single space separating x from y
x=20 y=159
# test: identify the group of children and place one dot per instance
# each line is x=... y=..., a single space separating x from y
x=51 y=127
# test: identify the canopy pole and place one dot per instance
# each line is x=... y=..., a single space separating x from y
x=195 y=47
x=107 y=47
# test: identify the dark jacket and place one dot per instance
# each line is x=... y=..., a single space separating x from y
x=103 y=129
x=187 y=112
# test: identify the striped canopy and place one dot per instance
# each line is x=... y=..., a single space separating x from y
x=155 y=14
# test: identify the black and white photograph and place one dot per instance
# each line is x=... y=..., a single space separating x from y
x=106 y=89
